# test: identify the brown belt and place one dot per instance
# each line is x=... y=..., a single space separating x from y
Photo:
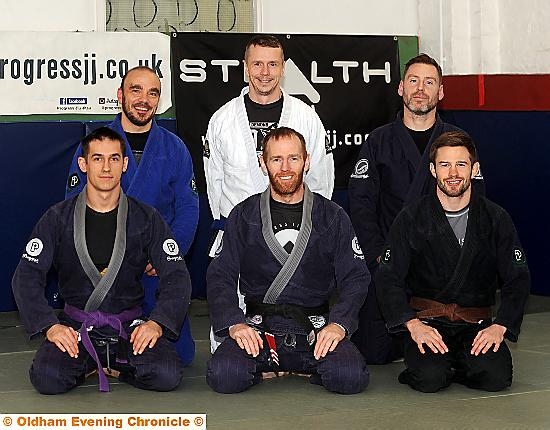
x=431 y=309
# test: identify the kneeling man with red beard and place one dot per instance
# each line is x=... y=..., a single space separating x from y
x=446 y=256
x=290 y=250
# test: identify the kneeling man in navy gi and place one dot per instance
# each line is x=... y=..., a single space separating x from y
x=99 y=242
x=447 y=254
x=289 y=250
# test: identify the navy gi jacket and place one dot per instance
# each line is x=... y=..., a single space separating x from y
x=390 y=172
x=332 y=262
x=52 y=243
x=424 y=259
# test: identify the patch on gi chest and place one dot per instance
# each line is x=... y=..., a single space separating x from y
x=519 y=257
x=73 y=181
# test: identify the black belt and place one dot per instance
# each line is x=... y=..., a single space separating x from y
x=298 y=313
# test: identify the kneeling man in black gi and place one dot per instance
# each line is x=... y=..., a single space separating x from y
x=289 y=250
x=100 y=242
x=446 y=256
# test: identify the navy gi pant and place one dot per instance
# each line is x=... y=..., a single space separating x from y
x=54 y=372
x=431 y=372
x=232 y=370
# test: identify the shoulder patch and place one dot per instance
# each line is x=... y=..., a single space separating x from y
x=206 y=148
x=328 y=145
x=361 y=169
x=193 y=185
x=34 y=247
x=357 y=251
x=73 y=181
x=386 y=256
x=170 y=247
x=519 y=257
x=479 y=174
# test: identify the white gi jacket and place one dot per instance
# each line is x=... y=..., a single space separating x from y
x=231 y=163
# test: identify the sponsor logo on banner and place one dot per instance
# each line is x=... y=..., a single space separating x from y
x=62 y=72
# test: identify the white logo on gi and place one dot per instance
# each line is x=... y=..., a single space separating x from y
x=356 y=248
x=361 y=168
x=34 y=247
x=518 y=254
x=170 y=247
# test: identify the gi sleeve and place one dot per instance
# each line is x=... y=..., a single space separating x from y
x=352 y=276
x=222 y=279
x=514 y=277
x=213 y=165
x=29 y=279
x=174 y=289
x=186 y=204
x=320 y=177
x=364 y=190
x=391 y=275
x=76 y=179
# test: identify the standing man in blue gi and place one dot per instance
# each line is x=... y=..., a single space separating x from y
x=392 y=169
x=99 y=241
x=236 y=131
x=290 y=250
x=159 y=173
x=447 y=254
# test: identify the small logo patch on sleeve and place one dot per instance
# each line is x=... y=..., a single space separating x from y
x=328 y=145
x=361 y=169
x=73 y=181
x=206 y=149
x=357 y=251
x=193 y=185
x=519 y=257
x=386 y=257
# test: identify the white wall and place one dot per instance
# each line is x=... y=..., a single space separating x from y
x=486 y=36
x=52 y=15
x=373 y=17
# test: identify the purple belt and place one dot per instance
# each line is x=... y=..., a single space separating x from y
x=98 y=319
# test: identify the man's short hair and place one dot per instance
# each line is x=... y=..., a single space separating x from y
x=281 y=133
x=143 y=68
x=101 y=134
x=424 y=59
x=266 y=41
x=454 y=138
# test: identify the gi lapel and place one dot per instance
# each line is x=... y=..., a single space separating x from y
x=258 y=179
x=422 y=181
x=465 y=253
x=290 y=262
x=102 y=284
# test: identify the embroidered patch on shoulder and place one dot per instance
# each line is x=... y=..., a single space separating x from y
x=357 y=251
x=386 y=257
x=361 y=169
x=73 y=181
x=170 y=247
x=328 y=145
x=193 y=185
x=34 y=247
x=519 y=257
x=206 y=149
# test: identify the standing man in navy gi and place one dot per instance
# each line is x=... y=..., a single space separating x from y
x=99 y=241
x=447 y=254
x=392 y=169
x=290 y=250
x=159 y=173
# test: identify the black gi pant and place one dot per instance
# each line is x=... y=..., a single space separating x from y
x=430 y=372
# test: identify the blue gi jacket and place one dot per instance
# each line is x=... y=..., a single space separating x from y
x=164 y=179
